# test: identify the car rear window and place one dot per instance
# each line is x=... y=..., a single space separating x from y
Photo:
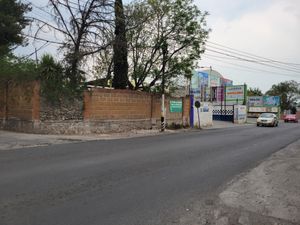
x=266 y=115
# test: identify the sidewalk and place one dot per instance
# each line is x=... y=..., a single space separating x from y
x=14 y=140
x=226 y=124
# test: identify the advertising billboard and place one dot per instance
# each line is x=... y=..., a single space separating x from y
x=254 y=101
x=260 y=104
x=195 y=84
x=203 y=77
x=271 y=100
x=235 y=93
x=214 y=80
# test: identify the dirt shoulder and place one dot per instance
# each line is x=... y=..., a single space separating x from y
x=267 y=195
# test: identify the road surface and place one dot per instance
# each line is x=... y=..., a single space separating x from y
x=136 y=181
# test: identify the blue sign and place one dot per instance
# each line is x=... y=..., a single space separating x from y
x=203 y=78
x=271 y=100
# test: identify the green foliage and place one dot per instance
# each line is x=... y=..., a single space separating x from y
x=17 y=69
x=177 y=27
x=55 y=84
x=288 y=91
x=254 y=92
x=52 y=79
x=12 y=23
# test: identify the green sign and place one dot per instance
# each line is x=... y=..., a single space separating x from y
x=176 y=106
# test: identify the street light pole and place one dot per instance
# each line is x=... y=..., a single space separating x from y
x=164 y=48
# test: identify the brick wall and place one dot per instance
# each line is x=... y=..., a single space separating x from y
x=19 y=103
x=22 y=101
x=2 y=101
x=101 y=111
x=186 y=111
x=108 y=104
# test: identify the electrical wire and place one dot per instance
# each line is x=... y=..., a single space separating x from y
x=249 y=69
x=43 y=39
x=252 y=61
x=36 y=50
x=253 y=56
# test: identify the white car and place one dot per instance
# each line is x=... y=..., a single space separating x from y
x=267 y=119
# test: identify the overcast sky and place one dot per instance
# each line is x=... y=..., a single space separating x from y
x=265 y=28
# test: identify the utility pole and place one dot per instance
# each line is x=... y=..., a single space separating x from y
x=210 y=89
x=164 y=48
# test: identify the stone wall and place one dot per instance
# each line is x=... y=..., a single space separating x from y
x=100 y=111
x=66 y=110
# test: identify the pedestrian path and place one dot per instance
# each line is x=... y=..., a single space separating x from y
x=15 y=140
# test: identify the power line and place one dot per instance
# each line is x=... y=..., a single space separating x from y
x=244 y=57
x=41 y=9
x=43 y=39
x=265 y=61
x=250 y=69
x=247 y=53
x=224 y=57
x=253 y=55
x=252 y=61
x=36 y=50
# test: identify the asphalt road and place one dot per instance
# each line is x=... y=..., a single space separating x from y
x=136 y=181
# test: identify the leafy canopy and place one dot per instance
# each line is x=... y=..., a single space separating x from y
x=288 y=91
x=174 y=27
x=13 y=21
x=17 y=69
x=254 y=92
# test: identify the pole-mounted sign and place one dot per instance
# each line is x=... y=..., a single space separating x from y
x=197 y=105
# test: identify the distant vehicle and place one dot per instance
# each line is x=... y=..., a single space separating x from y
x=267 y=119
x=290 y=118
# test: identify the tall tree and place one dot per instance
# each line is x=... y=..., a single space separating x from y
x=85 y=25
x=13 y=21
x=120 y=48
x=254 y=92
x=166 y=39
x=288 y=91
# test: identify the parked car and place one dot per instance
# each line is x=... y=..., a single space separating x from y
x=290 y=118
x=267 y=119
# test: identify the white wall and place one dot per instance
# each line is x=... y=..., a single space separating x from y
x=205 y=114
x=240 y=114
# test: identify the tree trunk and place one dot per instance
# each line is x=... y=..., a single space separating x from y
x=120 y=79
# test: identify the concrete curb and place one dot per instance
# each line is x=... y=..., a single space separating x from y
x=16 y=140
